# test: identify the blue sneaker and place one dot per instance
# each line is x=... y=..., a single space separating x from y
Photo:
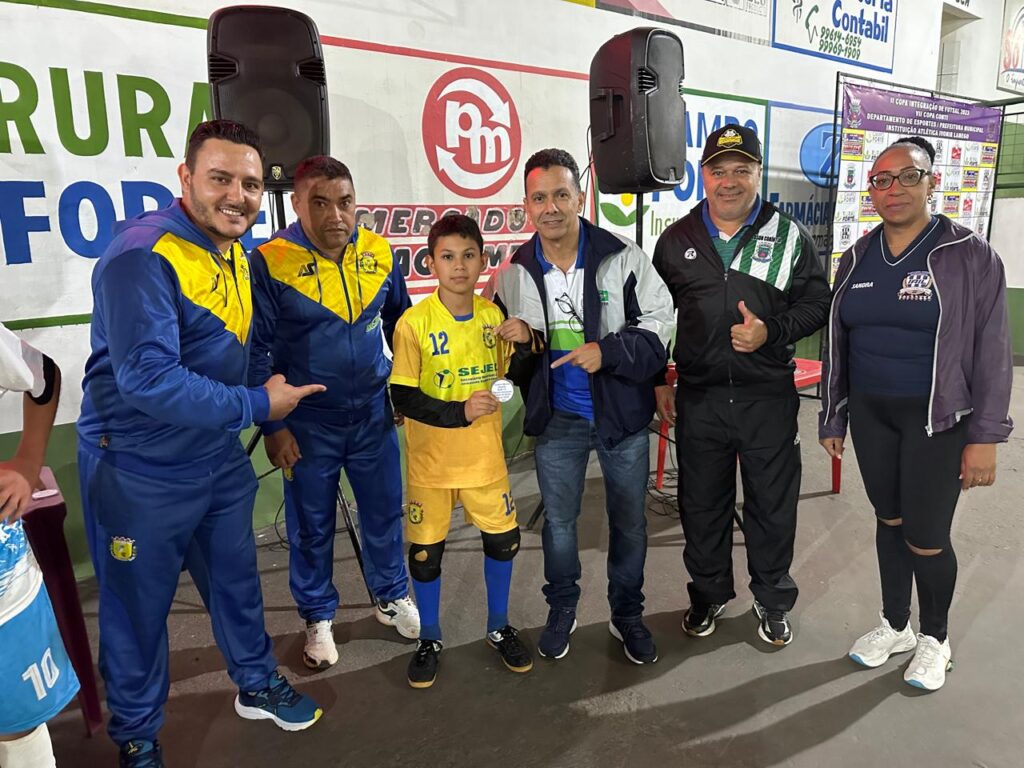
x=140 y=753
x=279 y=702
x=636 y=640
x=554 y=640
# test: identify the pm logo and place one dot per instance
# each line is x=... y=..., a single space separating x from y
x=471 y=132
x=123 y=548
x=488 y=336
x=444 y=379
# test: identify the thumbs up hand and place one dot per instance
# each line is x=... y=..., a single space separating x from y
x=749 y=335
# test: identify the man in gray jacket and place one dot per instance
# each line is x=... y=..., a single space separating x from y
x=607 y=318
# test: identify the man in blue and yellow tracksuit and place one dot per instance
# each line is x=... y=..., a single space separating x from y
x=165 y=480
x=327 y=294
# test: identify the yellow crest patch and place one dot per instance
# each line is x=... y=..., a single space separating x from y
x=730 y=138
x=123 y=548
x=415 y=512
x=367 y=262
x=488 y=336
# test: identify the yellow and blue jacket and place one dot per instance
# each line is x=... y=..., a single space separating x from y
x=165 y=385
x=324 y=322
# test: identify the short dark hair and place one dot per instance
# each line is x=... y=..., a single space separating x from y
x=228 y=130
x=454 y=224
x=549 y=158
x=914 y=141
x=322 y=166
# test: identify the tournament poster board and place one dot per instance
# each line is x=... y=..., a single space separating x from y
x=966 y=140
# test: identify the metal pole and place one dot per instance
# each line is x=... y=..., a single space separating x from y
x=640 y=219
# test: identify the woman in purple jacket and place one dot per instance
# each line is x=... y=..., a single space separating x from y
x=919 y=364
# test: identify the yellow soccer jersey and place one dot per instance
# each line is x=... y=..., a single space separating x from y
x=449 y=360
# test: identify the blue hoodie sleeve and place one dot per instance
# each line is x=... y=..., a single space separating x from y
x=139 y=300
x=396 y=303
x=264 y=329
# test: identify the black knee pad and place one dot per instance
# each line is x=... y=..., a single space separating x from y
x=425 y=561
x=501 y=546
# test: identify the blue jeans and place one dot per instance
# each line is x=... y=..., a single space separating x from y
x=561 y=456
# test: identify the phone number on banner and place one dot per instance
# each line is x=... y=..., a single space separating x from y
x=839 y=43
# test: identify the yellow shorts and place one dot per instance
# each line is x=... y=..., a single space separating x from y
x=428 y=512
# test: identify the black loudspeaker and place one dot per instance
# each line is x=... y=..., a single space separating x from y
x=266 y=70
x=637 y=112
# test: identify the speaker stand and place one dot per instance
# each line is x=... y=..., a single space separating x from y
x=640 y=220
x=537 y=512
x=277 y=214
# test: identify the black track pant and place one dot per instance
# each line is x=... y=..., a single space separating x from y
x=710 y=435
x=916 y=478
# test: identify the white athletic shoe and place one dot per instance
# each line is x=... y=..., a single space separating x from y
x=320 y=651
x=930 y=664
x=875 y=648
x=401 y=614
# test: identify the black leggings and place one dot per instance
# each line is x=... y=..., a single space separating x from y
x=915 y=478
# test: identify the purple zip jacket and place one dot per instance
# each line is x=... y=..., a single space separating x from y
x=972 y=369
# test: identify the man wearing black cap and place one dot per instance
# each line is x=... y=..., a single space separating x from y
x=747 y=285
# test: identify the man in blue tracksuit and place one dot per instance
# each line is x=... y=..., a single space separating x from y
x=327 y=294
x=165 y=480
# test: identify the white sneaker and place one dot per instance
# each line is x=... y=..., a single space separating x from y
x=401 y=614
x=930 y=664
x=320 y=651
x=875 y=648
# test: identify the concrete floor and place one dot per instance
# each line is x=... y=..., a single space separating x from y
x=725 y=700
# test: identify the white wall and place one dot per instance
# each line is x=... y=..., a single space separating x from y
x=377 y=88
x=980 y=41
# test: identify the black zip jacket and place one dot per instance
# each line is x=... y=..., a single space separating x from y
x=777 y=273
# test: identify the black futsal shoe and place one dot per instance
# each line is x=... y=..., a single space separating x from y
x=514 y=653
x=423 y=664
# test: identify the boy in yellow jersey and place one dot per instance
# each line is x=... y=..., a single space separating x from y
x=452 y=353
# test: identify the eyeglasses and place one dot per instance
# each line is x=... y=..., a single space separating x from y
x=565 y=304
x=909 y=177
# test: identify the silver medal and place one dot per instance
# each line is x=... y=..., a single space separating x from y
x=502 y=389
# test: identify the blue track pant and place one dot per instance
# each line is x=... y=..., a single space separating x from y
x=142 y=531
x=368 y=452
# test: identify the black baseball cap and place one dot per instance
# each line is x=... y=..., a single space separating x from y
x=731 y=138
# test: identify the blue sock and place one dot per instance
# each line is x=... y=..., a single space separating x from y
x=498 y=576
x=428 y=600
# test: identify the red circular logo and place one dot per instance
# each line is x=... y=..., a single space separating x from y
x=471 y=132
